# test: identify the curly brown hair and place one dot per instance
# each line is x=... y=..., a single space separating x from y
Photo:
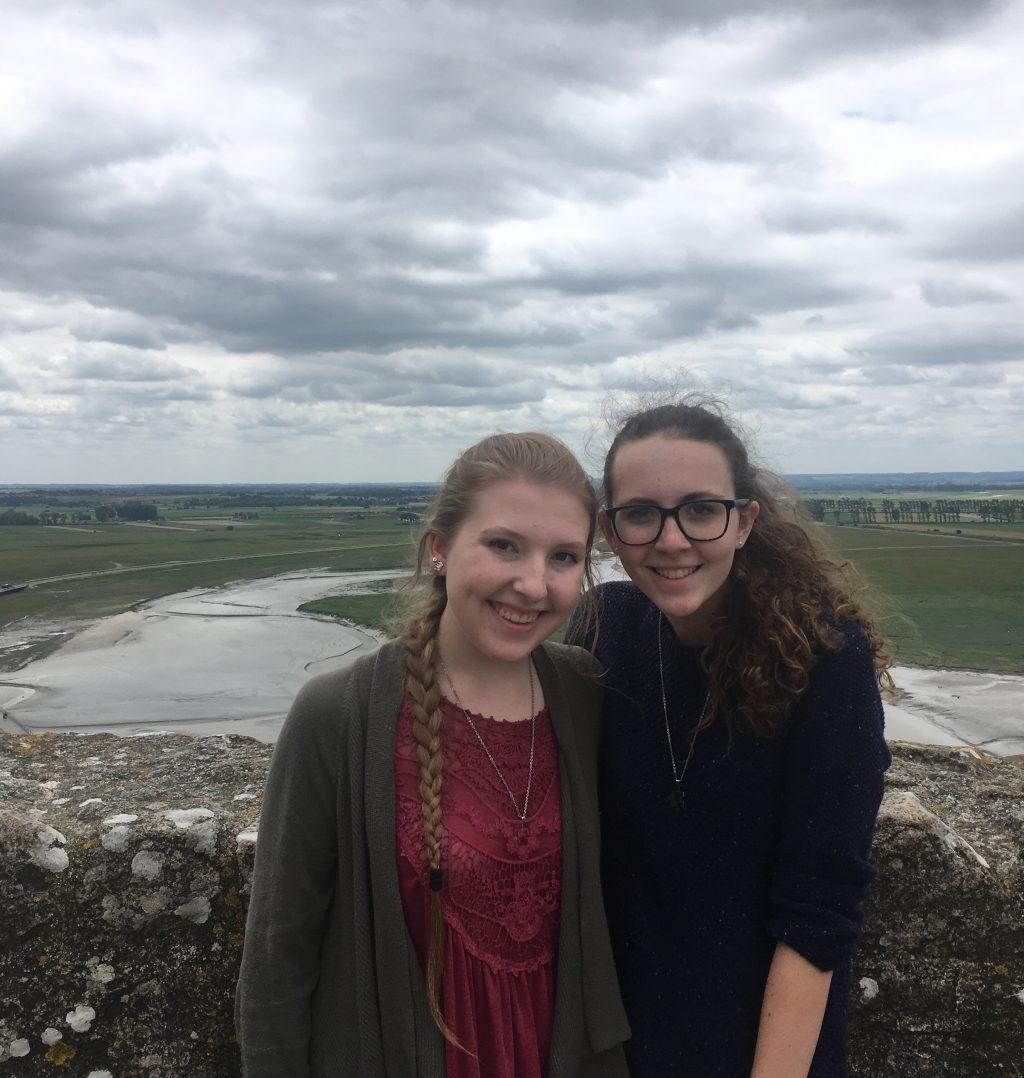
x=787 y=595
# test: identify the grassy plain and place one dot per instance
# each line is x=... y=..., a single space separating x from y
x=374 y=611
x=100 y=569
x=942 y=600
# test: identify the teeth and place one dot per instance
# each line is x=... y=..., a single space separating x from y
x=518 y=619
x=676 y=574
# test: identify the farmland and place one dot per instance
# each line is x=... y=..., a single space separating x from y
x=94 y=569
x=942 y=598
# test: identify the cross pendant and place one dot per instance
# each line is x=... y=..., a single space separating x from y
x=676 y=799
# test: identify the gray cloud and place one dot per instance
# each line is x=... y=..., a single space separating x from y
x=425 y=380
x=993 y=236
x=938 y=346
x=123 y=366
x=811 y=218
x=417 y=218
x=952 y=293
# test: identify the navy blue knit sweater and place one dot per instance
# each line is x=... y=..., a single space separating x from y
x=771 y=844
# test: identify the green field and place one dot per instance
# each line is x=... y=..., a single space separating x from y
x=122 y=564
x=941 y=600
x=373 y=611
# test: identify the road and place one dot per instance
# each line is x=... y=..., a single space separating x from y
x=205 y=561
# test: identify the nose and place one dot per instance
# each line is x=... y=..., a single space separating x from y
x=672 y=537
x=531 y=582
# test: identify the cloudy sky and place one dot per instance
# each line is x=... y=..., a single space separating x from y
x=288 y=242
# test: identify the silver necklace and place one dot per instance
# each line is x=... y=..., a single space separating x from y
x=677 y=798
x=487 y=751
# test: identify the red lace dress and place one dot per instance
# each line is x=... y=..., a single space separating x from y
x=502 y=887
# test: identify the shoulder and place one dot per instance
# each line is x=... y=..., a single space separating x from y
x=622 y=609
x=572 y=660
x=841 y=712
x=572 y=678
x=328 y=703
x=622 y=596
x=852 y=657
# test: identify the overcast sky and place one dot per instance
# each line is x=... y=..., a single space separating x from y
x=336 y=242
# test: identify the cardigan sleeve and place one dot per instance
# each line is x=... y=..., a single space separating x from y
x=836 y=762
x=291 y=889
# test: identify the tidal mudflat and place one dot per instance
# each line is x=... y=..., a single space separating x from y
x=210 y=661
x=231 y=659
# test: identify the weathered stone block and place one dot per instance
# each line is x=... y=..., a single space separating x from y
x=121 y=919
x=123 y=873
x=938 y=987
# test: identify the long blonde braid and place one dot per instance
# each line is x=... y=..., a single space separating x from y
x=423 y=688
x=499 y=457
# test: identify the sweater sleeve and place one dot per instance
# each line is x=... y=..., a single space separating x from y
x=291 y=888
x=836 y=762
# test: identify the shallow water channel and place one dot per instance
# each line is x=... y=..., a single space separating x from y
x=211 y=661
x=231 y=659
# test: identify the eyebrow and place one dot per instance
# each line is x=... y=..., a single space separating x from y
x=695 y=496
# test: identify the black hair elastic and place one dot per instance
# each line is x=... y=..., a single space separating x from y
x=436 y=879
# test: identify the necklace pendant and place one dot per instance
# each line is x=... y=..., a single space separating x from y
x=676 y=800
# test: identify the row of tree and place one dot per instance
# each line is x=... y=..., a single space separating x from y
x=103 y=513
x=126 y=511
x=916 y=511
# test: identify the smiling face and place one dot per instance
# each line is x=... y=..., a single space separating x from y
x=513 y=571
x=685 y=579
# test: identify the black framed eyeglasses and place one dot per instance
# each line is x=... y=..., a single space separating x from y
x=700 y=520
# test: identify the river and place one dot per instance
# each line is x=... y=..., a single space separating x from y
x=231 y=659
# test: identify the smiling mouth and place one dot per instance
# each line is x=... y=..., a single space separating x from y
x=516 y=617
x=676 y=574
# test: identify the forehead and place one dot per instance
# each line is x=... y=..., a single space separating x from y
x=530 y=508
x=668 y=470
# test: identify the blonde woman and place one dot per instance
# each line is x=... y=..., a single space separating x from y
x=425 y=899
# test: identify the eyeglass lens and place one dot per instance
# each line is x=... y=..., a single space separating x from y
x=639 y=524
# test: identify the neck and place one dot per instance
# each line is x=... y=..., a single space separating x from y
x=689 y=634
x=697 y=629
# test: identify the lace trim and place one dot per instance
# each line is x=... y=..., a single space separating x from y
x=503 y=875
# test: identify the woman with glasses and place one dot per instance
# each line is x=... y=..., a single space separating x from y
x=742 y=759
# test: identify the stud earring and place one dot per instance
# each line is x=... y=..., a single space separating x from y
x=436 y=563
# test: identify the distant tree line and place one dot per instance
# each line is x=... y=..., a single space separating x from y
x=126 y=511
x=916 y=511
x=103 y=513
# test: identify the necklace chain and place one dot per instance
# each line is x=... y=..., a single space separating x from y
x=677 y=773
x=483 y=744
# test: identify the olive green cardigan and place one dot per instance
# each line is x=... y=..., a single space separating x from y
x=330 y=985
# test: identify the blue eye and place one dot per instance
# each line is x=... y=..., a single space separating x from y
x=567 y=557
x=503 y=546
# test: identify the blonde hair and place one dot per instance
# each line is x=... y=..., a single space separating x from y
x=534 y=457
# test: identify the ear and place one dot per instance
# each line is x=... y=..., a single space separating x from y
x=746 y=518
x=437 y=548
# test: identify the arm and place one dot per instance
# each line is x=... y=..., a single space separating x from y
x=291 y=887
x=791 y=1014
x=836 y=758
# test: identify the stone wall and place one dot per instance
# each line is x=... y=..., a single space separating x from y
x=123 y=869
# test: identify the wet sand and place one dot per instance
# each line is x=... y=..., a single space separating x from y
x=211 y=661
x=231 y=659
